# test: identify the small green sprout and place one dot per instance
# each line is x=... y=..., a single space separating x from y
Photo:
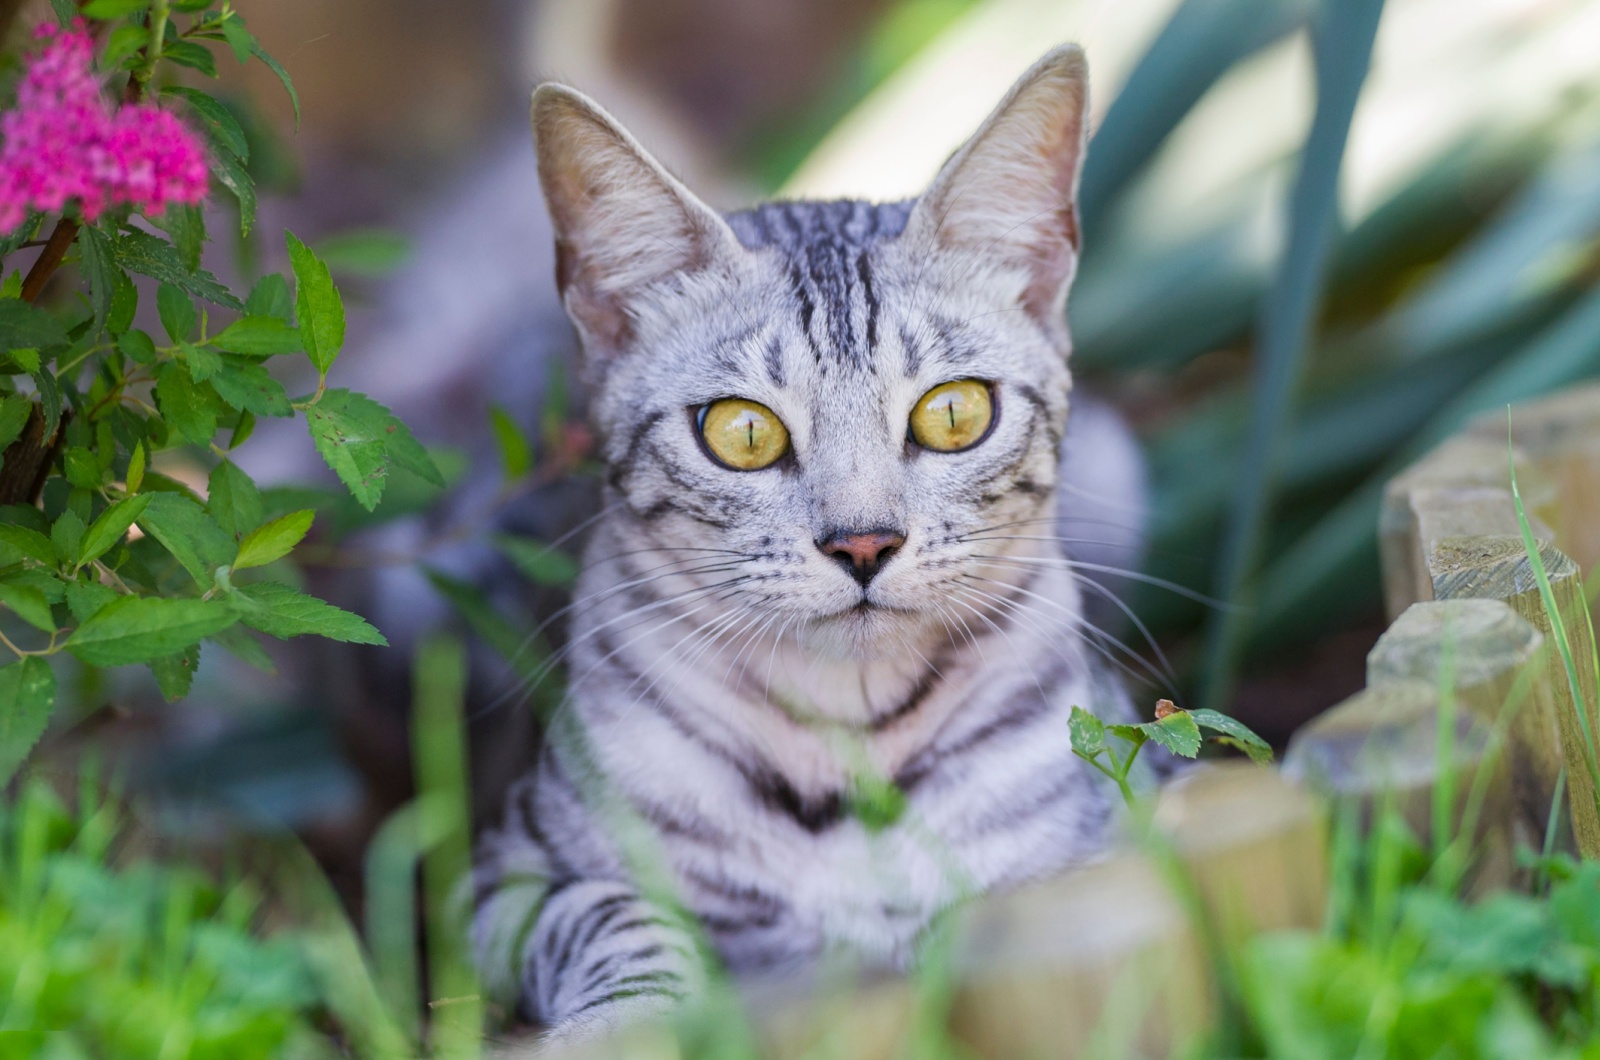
x=1173 y=728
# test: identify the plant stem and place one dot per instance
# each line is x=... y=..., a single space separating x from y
x=49 y=259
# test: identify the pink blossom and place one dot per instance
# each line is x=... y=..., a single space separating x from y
x=64 y=142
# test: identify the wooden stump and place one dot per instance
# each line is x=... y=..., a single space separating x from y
x=1382 y=747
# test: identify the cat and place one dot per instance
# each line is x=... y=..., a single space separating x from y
x=826 y=638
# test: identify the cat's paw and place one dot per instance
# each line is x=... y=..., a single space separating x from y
x=583 y=1036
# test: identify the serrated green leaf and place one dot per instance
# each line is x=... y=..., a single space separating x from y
x=175 y=672
x=81 y=467
x=1237 y=734
x=123 y=42
x=28 y=687
x=67 y=534
x=25 y=542
x=110 y=9
x=274 y=540
x=217 y=120
x=110 y=527
x=516 y=455
x=14 y=412
x=270 y=297
x=233 y=499
x=202 y=361
x=150 y=256
x=318 y=309
x=1177 y=732
x=94 y=259
x=177 y=312
x=357 y=455
x=85 y=599
x=283 y=75
x=280 y=611
x=538 y=562
x=1087 y=732
x=187 y=227
x=46 y=582
x=49 y=400
x=233 y=176
x=250 y=387
x=242 y=429
x=379 y=422
x=136 y=629
x=193 y=537
x=29 y=605
x=124 y=298
x=260 y=336
x=186 y=404
x=24 y=326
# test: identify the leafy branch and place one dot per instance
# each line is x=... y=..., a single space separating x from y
x=1176 y=730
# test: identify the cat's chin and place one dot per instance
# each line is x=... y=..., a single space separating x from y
x=863 y=631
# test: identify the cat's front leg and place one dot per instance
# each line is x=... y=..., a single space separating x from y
x=603 y=958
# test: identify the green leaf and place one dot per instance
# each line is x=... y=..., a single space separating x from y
x=1177 y=732
x=317 y=305
x=233 y=499
x=177 y=312
x=29 y=604
x=136 y=629
x=250 y=387
x=110 y=9
x=241 y=40
x=538 y=562
x=150 y=256
x=1088 y=733
x=24 y=326
x=67 y=534
x=110 y=527
x=186 y=404
x=175 y=672
x=81 y=467
x=28 y=690
x=283 y=75
x=187 y=227
x=135 y=476
x=85 y=599
x=233 y=176
x=359 y=457
x=124 y=297
x=403 y=448
x=30 y=543
x=202 y=361
x=192 y=536
x=243 y=429
x=123 y=42
x=515 y=452
x=94 y=260
x=242 y=645
x=270 y=297
x=49 y=400
x=217 y=120
x=260 y=336
x=187 y=53
x=280 y=611
x=14 y=412
x=274 y=540
x=137 y=346
x=372 y=252
x=1235 y=733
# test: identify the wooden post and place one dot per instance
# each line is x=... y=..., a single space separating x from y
x=1491 y=660
x=1557 y=439
x=1382 y=746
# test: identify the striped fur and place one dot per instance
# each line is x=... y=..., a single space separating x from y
x=733 y=691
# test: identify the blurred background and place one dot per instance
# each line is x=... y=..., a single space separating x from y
x=1464 y=274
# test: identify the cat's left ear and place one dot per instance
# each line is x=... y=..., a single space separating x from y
x=1010 y=194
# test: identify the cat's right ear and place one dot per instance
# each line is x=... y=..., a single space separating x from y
x=623 y=224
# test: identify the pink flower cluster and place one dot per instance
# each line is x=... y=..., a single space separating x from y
x=64 y=142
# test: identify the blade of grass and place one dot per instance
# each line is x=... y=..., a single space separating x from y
x=1342 y=38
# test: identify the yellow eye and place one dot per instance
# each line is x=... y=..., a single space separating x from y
x=742 y=434
x=952 y=416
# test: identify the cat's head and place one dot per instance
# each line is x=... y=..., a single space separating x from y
x=824 y=407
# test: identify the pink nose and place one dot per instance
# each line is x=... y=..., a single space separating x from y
x=864 y=553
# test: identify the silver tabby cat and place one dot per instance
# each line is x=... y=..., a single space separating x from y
x=826 y=639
